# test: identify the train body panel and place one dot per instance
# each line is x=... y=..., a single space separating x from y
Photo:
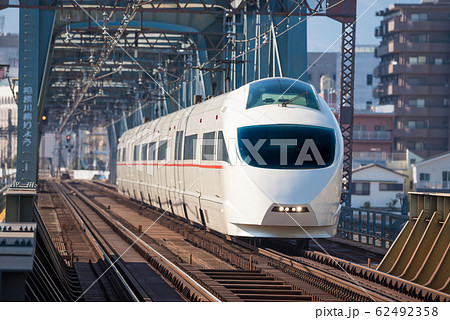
x=203 y=163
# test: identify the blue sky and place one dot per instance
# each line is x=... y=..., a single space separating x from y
x=322 y=32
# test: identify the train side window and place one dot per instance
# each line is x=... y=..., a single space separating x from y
x=190 y=144
x=144 y=152
x=222 y=153
x=152 y=151
x=178 y=145
x=124 y=153
x=136 y=153
x=118 y=154
x=162 y=150
x=208 y=146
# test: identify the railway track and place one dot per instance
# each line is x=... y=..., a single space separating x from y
x=132 y=260
x=251 y=273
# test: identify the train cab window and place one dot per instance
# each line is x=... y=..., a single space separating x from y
x=152 y=151
x=136 y=153
x=284 y=92
x=287 y=146
x=178 y=145
x=190 y=144
x=124 y=154
x=162 y=150
x=144 y=152
x=208 y=146
x=222 y=153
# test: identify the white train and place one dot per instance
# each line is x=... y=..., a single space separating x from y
x=264 y=160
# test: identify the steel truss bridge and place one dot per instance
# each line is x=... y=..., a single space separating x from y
x=118 y=63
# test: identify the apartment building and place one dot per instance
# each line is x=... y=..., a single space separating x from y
x=414 y=73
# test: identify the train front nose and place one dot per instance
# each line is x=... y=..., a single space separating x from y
x=294 y=176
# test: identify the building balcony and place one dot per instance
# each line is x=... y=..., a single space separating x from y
x=372 y=135
x=412 y=47
x=434 y=69
x=396 y=90
x=379 y=156
x=396 y=25
x=426 y=133
x=443 y=185
x=422 y=112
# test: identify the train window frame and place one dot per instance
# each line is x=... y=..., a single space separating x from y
x=288 y=91
x=208 y=146
x=144 y=152
x=302 y=140
x=190 y=147
x=162 y=150
x=151 y=151
x=124 y=154
x=222 y=152
x=179 y=145
x=136 y=153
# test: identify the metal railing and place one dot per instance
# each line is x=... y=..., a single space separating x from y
x=433 y=185
x=379 y=228
x=372 y=135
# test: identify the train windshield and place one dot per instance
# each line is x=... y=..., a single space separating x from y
x=286 y=92
x=285 y=146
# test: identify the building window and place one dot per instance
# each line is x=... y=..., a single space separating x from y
x=416 y=103
x=418 y=124
x=417 y=60
x=419 y=16
x=380 y=128
x=417 y=38
x=416 y=81
x=361 y=188
x=445 y=179
x=438 y=61
x=391 y=187
x=359 y=127
x=414 y=145
x=369 y=79
x=424 y=177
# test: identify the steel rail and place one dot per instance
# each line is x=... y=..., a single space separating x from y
x=194 y=283
x=97 y=246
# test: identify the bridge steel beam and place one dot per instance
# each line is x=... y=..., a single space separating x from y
x=345 y=13
x=36 y=27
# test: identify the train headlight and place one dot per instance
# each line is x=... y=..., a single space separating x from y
x=290 y=209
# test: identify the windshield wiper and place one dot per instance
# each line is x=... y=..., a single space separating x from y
x=285 y=103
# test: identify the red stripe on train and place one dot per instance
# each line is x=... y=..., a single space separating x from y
x=207 y=166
